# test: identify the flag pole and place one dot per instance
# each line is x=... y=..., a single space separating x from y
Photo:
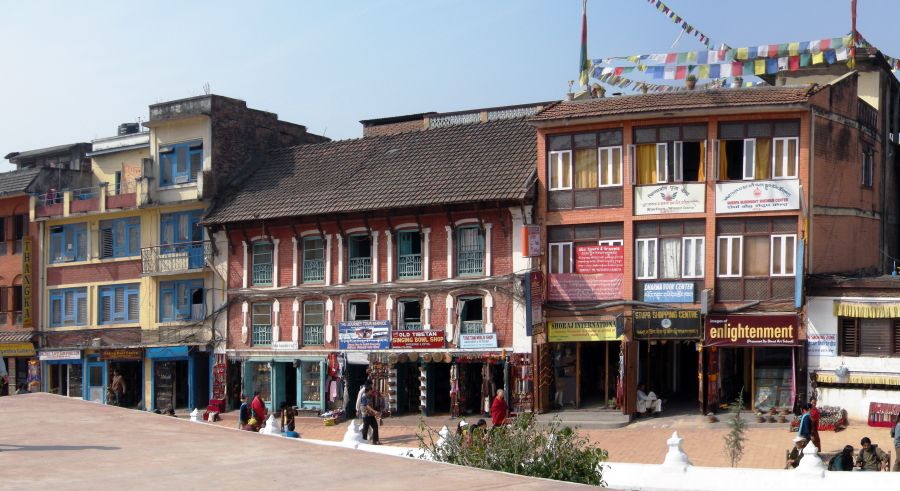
x=584 y=64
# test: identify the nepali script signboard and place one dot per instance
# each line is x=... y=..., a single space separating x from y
x=601 y=330
x=598 y=275
x=364 y=335
x=751 y=330
x=670 y=198
x=417 y=339
x=666 y=324
x=753 y=196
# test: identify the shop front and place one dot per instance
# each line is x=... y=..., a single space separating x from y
x=180 y=377
x=298 y=381
x=357 y=339
x=585 y=361
x=423 y=374
x=668 y=361
x=21 y=362
x=755 y=356
x=64 y=372
x=127 y=362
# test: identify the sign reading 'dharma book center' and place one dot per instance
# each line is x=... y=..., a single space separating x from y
x=598 y=276
x=364 y=335
x=670 y=198
x=417 y=339
x=667 y=324
x=752 y=330
x=559 y=332
x=752 y=196
x=669 y=292
x=483 y=340
x=56 y=355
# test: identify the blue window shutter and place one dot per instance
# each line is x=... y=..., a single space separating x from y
x=57 y=239
x=119 y=301
x=80 y=245
x=165 y=168
x=56 y=301
x=68 y=305
x=167 y=301
x=81 y=307
x=106 y=305
x=132 y=298
x=133 y=235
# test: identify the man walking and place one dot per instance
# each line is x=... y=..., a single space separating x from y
x=369 y=418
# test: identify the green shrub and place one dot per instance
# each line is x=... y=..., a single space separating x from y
x=525 y=447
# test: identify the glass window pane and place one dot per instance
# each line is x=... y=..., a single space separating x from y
x=586 y=168
x=789 y=261
x=791 y=170
x=566 y=258
x=723 y=256
x=776 y=254
x=566 y=174
x=670 y=258
x=699 y=254
x=616 y=166
x=778 y=165
x=756 y=256
x=554 y=258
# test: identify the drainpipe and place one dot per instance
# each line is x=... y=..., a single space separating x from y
x=809 y=203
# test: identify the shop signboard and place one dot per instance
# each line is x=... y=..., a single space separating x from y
x=58 y=355
x=531 y=238
x=570 y=331
x=745 y=330
x=670 y=198
x=16 y=349
x=573 y=287
x=482 y=340
x=669 y=292
x=754 y=196
x=417 y=339
x=667 y=324
x=599 y=259
x=821 y=344
x=285 y=345
x=122 y=354
x=534 y=295
x=27 y=293
x=364 y=335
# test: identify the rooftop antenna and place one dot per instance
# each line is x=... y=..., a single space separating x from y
x=206 y=88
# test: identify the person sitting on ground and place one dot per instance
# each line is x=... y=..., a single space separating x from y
x=170 y=412
x=479 y=430
x=796 y=453
x=250 y=425
x=843 y=460
x=258 y=407
x=871 y=458
x=287 y=417
x=244 y=412
x=464 y=433
x=647 y=402
x=499 y=409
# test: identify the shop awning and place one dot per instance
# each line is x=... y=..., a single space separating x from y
x=867 y=310
x=16 y=336
x=859 y=379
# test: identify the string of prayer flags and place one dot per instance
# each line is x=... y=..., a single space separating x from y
x=677 y=19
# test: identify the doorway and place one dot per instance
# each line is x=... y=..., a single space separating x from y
x=356 y=377
x=132 y=375
x=96 y=382
x=407 y=388
x=669 y=369
x=735 y=375
x=598 y=362
x=438 y=388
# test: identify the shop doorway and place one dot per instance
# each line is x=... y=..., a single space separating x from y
x=171 y=385
x=735 y=375
x=287 y=383
x=65 y=379
x=438 y=388
x=408 y=391
x=233 y=381
x=669 y=369
x=132 y=375
x=598 y=362
x=96 y=382
x=356 y=377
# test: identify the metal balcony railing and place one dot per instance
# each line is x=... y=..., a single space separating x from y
x=410 y=326
x=470 y=263
x=313 y=335
x=175 y=258
x=261 y=335
x=313 y=269
x=262 y=274
x=409 y=266
x=126 y=187
x=471 y=327
x=360 y=268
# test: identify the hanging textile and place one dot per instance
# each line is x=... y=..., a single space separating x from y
x=723 y=161
x=762 y=167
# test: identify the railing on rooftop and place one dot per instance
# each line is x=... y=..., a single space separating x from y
x=175 y=258
x=866 y=115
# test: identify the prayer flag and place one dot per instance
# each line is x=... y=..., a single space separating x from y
x=726 y=55
x=628 y=69
x=804 y=47
x=793 y=49
x=702 y=57
x=794 y=63
x=721 y=71
x=752 y=52
x=741 y=54
x=841 y=54
x=782 y=49
x=804 y=59
x=737 y=68
x=749 y=68
x=847 y=40
x=682 y=58
x=669 y=73
x=830 y=57
x=773 y=51
x=825 y=44
x=712 y=56
x=585 y=65
x=680 y=73
x=759 y=66
x=818 y=58
x=814 y=46
x=771 y=65
x=783 y=63
x=608 y=70
x=691 y=56
x=617 y=71
x=703 y=71
x=671 y=58
x=633 y=58
x=837 y=43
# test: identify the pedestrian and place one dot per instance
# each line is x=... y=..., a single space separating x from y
x=21 y=389
x=377 y=402
x=4 y=376
x=243 y=412
x=499 y=409
x=843 y=460
x=895 y=432
x=796 y=453
x=258 y=407
x=814 y=426
x=871 y=458
x=805 y=428
x=359 y=398
x=370 y=416
x=287 y=417
x=117 y=387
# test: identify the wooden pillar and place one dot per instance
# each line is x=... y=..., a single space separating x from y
x=578 y=374
x=753 y=378
x=605 y=372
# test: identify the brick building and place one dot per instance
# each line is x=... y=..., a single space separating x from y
x=396 y=257
x=679 y=228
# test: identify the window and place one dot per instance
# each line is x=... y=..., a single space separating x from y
x=645 y=259
x=561 y=258
x=313 y=323
x=117 y=183
x=729 y=256
x=615 y=242
x=469 y=251
x=120 y=238
x=693 y=257
x=119 y=303
x=180 y=163
x=560 y=171
x=785 y=155
x=2 y=229
x=610 y=166
x=20 y=227
x=180 y=228
x=409 y=315
x=868 y=167
x=181 y=300
x=68 y=307
x=868 y=337
x=359 y=310
x=471 y=319
x=261 y=324
x=758 y=150
x=359 y=251
x=68 y=243
x=313 y=259
x=262 y=263
x=585 y=168
x=783 y=255
x=409 y=254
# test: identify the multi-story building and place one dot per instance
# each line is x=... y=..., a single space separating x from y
x=130 y=285
x=72 y=156
x=679 y=227
x=396 y=257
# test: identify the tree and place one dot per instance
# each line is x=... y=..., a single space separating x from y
x=735 y=438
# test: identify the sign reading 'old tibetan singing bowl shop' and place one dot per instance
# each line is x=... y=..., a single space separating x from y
x=417 y=339
x=752 y=330
x=667 y=324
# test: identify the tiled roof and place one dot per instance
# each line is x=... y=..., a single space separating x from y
x=480 y=162
x=17 y=181
x=669 y=101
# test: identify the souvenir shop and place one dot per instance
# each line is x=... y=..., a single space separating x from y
x=310 y=383
x=128 y=363
x=64 y=371
x=21 y=364
x=180 y=377
x=585 y=358
x=757 y=356
x=667 y=353
x=474 y=379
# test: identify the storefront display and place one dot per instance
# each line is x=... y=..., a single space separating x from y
x=312 y=383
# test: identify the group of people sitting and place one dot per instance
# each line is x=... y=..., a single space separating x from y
x=252 y=416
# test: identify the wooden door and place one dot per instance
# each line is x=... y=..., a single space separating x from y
x=629 y=398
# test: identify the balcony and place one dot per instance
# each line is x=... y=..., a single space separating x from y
x=470 y=263
x=360 y=268
x=85 y=199
x=313 y=270
x=313 y=335
x=175 y=258
x=49 y=204
x=261 y=335
x=123 y=196
x=866 y=115
x=471 y=327
x=409 y=266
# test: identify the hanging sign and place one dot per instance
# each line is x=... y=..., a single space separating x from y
x=16 y=349
x=27 y=293
x=670 y=198
x=531 y=239
x=534 y=299
x=417 y=339
x=57 y=355
x=667 y=324
x=561 y=332
x=754 y=196
x=123 y=354
x=599 y=259
x=752 y=330
x=364 y=335
x=483 y=340
x=669 y=292
x=821 y=344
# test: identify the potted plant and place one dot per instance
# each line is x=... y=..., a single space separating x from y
x=691 y=81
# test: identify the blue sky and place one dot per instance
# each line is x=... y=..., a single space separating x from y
x=74 y=70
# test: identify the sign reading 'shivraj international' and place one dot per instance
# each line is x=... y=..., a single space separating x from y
x=603 y=330
x=752 y=330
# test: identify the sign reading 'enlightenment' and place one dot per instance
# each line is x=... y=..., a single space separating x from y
x=751 y=330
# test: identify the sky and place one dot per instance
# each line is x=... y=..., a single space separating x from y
x=73 y=71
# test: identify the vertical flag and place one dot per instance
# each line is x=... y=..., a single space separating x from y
x=585 y=66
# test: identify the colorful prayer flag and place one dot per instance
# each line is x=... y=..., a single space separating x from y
x=793 y=49
x=771 y=65
x=759 y=66
x=703 y=71
x=782 y=63
x=671 y=58
x=714 y=71
x=841 y=54
x=682 y=58
x=741 y=54
x=818 y=58
x=680 y=73
x=830 y=57
x=737 y=68
x=750 y=68
x=724 y=70
x=804 y=59
x=669 y=73
x=702 y=57
x=773 y=51
x=824 y=44
x=793 y=63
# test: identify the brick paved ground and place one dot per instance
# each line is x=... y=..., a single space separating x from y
x=643 y=441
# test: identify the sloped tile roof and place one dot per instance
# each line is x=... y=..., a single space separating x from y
x=668 y=101
x=17 y=181
x=468 y=163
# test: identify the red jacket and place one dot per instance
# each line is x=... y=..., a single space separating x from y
x=498 y=411
x=259 y=409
